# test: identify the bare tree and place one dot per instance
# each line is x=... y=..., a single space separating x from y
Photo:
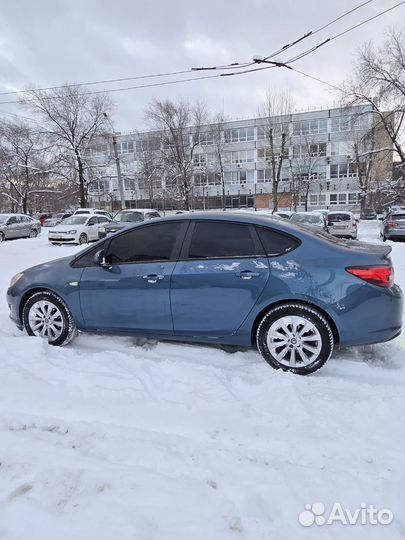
x=379 y=80
x=275 y=111
x=72 y=120
x=180 y=124
x=24 y=162
x=149 y=164
x=218 y=144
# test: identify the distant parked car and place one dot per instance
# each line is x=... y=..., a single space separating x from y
x=125 y=218
x=393 y=226
x=310 y=219
x=368 y=213
x=77 y=229
x=88 y=211
x=231 y=279
x=43 y=217
x=18 y=226
x=56 y=219
x=342 y=224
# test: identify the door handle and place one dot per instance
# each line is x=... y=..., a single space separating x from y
x=247 y=274
x=153 y=278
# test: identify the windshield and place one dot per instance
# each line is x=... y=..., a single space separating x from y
x=75 y=220
x=128 y=216
x=306 y=218
x=4 y=218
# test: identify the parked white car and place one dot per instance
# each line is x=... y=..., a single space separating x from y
x=77 y=229
x=342 y=224
x=92 y=211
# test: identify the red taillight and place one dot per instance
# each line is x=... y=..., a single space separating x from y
x=382 y=276
x=354 y=224
x=392 y=225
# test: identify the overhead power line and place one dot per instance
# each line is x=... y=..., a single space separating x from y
x=234 y=65
x=328 y=40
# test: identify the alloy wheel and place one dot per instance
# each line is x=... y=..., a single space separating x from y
x=45 y=320
x=294 y=341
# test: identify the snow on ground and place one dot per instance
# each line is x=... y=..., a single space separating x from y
x=118 y=438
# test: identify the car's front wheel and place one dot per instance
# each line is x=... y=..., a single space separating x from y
x=47 y=316
x=83 y=239
x=295 y=337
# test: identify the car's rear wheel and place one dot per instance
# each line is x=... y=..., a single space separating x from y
x=1 y=237
x=33 y=233
x=47 y=316
x=83 y=238
x=295 y=337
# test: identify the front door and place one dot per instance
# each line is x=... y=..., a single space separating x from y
x=218 y=280
x=132 y=293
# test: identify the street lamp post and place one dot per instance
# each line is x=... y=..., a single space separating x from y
x=118 y=165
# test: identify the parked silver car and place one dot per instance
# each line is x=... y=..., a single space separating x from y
x=393 y=226
x=342 y=224
x=18 y=226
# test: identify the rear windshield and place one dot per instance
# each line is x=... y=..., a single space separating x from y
x=398 y=216
x=301 y=218
x=82 y=212
x=339 y=217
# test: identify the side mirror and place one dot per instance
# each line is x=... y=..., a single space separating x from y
x=99 y=259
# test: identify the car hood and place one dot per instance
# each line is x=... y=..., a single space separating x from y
x=62 y=262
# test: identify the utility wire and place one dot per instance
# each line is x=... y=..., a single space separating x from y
x=328 y=40
x=106 y=81
x=234 y=65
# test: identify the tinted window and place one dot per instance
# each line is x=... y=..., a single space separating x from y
x=275 y=242
x=217 y=239
x=153 y=243
x=87 y=258
x=12 y=220
x=82 y=212
x=75 y=220
x=92 y=221
x=103 y=219
x=128 y=217
x=398 y=216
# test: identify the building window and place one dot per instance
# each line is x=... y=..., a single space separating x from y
x=126 y=147
x=264 y=175
x=205 y=138
x=342 y=198
x=341 y=123
x=313 y=200
x=199 y=160
x=239 y=177
x=354 y=198
x=239 y=135
x=310 y=127
x=265 y=154
x=333 y=198
x=240 y=156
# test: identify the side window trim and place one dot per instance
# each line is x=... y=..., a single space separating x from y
x=174 y=255
x=258 y=247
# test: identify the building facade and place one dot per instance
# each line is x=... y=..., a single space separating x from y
x=320 y=166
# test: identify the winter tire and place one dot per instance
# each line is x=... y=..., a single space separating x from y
x=83 y=239
x=47 y=316
x=33 y=233
x=295 y=337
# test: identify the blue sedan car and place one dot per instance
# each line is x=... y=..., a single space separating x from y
x=223 y=278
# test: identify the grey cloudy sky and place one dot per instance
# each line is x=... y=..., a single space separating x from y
x=49 y=42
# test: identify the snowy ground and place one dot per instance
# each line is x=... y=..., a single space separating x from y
x=110 y=438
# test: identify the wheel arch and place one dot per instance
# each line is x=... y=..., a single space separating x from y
x=262 y=313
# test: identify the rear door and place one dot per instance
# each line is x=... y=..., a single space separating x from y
x=12 y=230
x=220 y=275
x=92 y=228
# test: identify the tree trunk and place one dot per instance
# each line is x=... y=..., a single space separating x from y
x=82 y=183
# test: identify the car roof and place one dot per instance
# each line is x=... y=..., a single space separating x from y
x=339 y=212
x=137 y=210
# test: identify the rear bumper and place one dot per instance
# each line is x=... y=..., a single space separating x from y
x=376 y=317
x=395 y=234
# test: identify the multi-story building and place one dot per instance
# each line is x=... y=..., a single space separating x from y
x=320 y=167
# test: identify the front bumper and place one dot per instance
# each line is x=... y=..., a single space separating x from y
x=59 y=239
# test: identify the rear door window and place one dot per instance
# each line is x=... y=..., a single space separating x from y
x=214 y=240
x=339 y=217
x=275 y=242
